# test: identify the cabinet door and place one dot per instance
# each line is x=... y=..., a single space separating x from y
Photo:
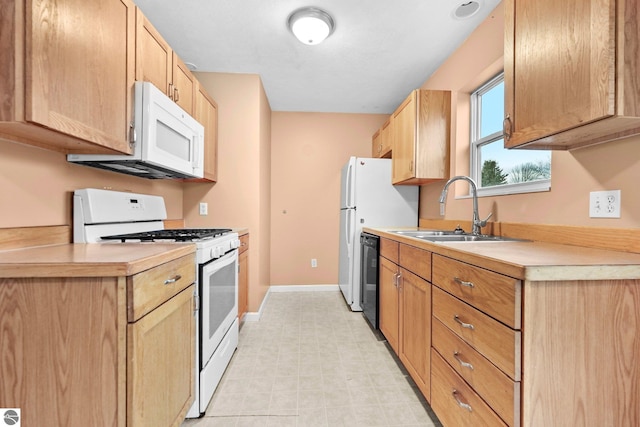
x=386 y=139
x=376 y=144
x=415 y=315
x=206 y=112
x=160 y=363
x=184 y=85
x=389 y=325
x=154 y=57
x=80 y=68
x=404 y=147
x=557 y=75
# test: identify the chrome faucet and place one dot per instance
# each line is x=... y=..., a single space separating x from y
x=477 y=223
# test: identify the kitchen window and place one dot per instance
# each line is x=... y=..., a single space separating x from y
x=495 y=169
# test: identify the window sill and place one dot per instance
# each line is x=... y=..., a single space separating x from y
x=508 y=189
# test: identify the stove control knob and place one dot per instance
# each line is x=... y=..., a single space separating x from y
x=219 y=251
x=212 y=253
x=235 y=243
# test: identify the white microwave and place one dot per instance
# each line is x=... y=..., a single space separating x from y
x=167 y=141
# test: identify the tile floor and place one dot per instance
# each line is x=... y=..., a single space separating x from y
x=310 y=361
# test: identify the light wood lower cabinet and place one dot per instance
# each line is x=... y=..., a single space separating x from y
x=415 y=329
x=388 y=293
x=74 y=354
x=243 y=276
x=389 y=303
x=405 y=308
x=533 y=353
x=455 y=402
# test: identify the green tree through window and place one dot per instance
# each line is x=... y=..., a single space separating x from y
x=492 y=174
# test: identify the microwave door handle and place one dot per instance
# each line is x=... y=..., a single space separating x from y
x=195 y=155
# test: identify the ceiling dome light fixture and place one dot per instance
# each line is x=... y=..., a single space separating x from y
x=311 y=25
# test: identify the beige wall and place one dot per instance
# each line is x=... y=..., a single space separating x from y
x=36 y=186
x=308 y=152
x=241 y=196
x=610 y=166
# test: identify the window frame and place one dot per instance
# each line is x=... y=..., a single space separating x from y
x=476 y=143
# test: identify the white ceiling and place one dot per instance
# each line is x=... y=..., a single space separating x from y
x=379 y=51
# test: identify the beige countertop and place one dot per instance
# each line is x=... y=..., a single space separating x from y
x=530 y=260
x=89 y=259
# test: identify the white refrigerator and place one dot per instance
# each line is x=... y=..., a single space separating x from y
x=368 y=199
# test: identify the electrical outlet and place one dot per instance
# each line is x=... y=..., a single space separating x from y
x=604 y=204
x=204 y=208
x=314 y=262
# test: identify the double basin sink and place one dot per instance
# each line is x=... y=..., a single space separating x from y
x=452 y=236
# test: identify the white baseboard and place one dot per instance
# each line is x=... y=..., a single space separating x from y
x=255 y=316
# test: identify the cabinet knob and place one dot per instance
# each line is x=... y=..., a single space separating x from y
x=170 y=91
x=176 y=94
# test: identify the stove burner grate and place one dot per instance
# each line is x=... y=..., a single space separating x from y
x=176 y=235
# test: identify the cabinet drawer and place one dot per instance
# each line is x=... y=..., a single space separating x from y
x=450 y=394
x=495 y=341
x=389 y=249
x=498 y=390
x=150 y=288
x=416 y=260
x=495 y=294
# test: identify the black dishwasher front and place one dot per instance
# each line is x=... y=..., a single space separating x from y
x=369 y=247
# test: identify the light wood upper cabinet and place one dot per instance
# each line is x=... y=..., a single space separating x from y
x=376 y=144
x=157 y=63
x=381 y=141
x=67 y=74
x=569 y=86
x=421 y=129
x=206 y=113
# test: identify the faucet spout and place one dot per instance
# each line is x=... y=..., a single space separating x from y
x=477 y=223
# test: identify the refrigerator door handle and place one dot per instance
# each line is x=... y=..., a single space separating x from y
x=348 y=231
x=349 y=186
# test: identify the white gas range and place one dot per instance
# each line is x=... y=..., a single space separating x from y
x=105 y=216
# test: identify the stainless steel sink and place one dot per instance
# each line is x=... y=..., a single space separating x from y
x=442 y=236
x=423 y=233
x=470 y=238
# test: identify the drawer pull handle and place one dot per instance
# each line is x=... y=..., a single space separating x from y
x=460 y=402
x=463 y=282
x=464 y=325
x=462 y=363
x=174 y=279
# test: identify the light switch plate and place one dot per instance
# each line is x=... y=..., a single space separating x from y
x=204 y=208
x=604 y=204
